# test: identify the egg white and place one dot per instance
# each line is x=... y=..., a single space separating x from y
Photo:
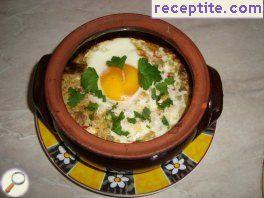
x=103 y=52
x=106 y=50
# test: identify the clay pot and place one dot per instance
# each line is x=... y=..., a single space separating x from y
x=206 y=100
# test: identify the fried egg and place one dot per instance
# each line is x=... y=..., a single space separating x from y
x=117 y=84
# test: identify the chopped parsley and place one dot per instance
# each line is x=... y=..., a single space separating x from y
x=166 y=103
x=117 y=62
x=92 y=106
x=132 y=120
x=145 y=115
x=99 y=94
x=165 y=121
x=138 y=115
x=169 y=81
x=110 y=112
x=89 y=80
x=154 y=94
x=148 y=74
x=116 y=124
x=114 y=106
x=162 y=87
x=74 y=97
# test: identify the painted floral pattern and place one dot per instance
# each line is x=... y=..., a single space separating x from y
x=176 y=165
x=116 y=183
x=119 y=181
x=64 y=156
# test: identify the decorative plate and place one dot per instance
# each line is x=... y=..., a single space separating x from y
x=116 y=184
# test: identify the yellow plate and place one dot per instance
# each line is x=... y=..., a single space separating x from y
x=117 y=184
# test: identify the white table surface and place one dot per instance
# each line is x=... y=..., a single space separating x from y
x=233 y=164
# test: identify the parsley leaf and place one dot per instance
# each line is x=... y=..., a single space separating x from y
x=162 y=88
x=165 y=121
x=114 y=106
x=116 y=126
x=89 y=80
x=154 y=94
x=99 y=94
x=92 y=106
x=138 y=115
x=147 y=73
x=74 y=97
x=145 y=115
x=117 y=62
x=169 y=81
x=132 y=120
x=166 y=103
x=110 y=111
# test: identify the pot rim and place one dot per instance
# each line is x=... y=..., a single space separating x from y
x=135 y=150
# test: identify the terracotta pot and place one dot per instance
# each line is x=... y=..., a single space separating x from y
x=139 y=26
x=138 y=165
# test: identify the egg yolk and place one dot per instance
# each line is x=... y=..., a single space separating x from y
x=120 y=84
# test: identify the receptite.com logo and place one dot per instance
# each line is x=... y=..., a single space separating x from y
x=14 y=183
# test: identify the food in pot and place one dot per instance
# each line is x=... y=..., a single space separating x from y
x=126 y=90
